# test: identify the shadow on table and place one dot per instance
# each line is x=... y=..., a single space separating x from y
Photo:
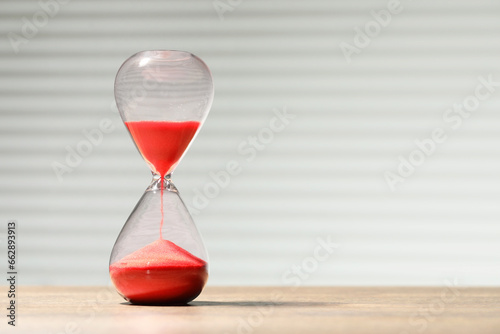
x=242 y=304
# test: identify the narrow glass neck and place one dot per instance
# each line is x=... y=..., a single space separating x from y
x=157 y=183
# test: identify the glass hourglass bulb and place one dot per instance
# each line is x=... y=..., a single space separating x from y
x=163 y=98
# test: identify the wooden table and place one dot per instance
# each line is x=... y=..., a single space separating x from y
x=246 y=310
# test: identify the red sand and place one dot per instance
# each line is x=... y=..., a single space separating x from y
x=159 y=273
x=162 y=143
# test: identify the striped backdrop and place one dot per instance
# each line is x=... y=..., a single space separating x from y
x=318 y=102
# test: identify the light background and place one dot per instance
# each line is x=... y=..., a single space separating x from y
x=321 y=176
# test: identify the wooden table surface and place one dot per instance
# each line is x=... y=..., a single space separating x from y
x=246 y=310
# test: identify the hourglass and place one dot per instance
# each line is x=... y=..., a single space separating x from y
x=163 y=98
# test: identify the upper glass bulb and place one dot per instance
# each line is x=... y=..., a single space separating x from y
x=163 y=98
x=164 y=86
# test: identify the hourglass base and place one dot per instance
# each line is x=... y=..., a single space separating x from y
x=148 y=276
